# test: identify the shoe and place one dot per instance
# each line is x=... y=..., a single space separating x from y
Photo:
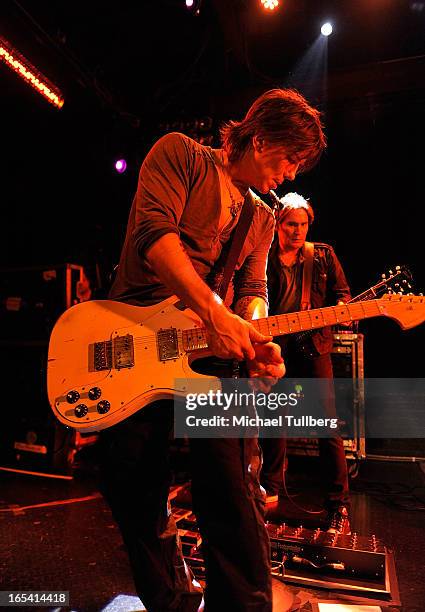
x=338 y=521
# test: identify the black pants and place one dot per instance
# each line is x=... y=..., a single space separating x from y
x=227 y=501
x=331 y=449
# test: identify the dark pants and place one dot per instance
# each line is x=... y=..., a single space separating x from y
x=331 y=449
x=227 y=501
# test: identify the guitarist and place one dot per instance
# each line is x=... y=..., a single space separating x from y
x=307 y=357
x=187 y=203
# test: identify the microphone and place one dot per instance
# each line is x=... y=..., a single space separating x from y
x=276 y=201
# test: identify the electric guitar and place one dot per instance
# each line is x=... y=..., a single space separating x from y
x=107 y=360
x=397 y=281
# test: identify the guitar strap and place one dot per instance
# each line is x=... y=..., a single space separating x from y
x=308 y=252
x=239 y=235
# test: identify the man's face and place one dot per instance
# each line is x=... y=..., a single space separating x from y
x=272 y=165
x=293 y=229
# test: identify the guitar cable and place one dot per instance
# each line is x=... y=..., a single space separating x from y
x=290 y=497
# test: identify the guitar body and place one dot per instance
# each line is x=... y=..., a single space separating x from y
x=107 y=360
x=104 y=362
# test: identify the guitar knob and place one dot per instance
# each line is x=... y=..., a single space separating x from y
x=103 y=407
x=72 y=397
x=95 y=393
x=80 y=411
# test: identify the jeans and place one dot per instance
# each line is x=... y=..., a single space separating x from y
x=227 y=500
x=331 y=450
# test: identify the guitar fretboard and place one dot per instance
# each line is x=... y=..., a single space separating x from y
x=279 y=325
x=294 y=322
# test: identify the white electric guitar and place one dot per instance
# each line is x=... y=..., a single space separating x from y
x=107 y=360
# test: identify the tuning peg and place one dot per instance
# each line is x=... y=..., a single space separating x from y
x=397 y=268
x=409 y=285
x=397 y=285
x=391 y=272
x=404 y=281
x=383 y=276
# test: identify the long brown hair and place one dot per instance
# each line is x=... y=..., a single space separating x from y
x=281 y=117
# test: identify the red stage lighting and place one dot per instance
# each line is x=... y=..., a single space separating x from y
x=23 y=68
x=270 y=5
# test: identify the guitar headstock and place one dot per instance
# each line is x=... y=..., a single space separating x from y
x=398 y=280
x=407 y=310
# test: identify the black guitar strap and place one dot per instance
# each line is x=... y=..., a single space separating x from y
x=238 y=239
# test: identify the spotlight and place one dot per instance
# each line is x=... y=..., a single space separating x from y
x=270 y=5
x=120 y=165
x=194 y=6
x=326 y=29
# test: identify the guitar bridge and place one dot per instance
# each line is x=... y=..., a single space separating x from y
x=101 y=354
x=117 y=353
x=168 y=344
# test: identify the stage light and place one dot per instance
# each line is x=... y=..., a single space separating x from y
x=270 y=5
x=23 y=68
x=194 y=6
x=326 y=29
x=120 y=165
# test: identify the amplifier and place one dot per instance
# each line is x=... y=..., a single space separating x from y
x=347 y=362
x=33 y=297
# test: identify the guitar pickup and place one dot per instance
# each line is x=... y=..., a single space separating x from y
x=123 y=352
x=168 y=344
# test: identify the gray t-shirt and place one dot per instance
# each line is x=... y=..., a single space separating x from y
x=179 y=191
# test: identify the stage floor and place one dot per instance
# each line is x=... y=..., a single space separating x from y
x=76 y=546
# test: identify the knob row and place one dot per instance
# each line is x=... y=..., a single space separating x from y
x=81 y=410
x=73 y=396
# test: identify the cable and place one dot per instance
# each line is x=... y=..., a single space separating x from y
x=291 y=496
x=61 y=502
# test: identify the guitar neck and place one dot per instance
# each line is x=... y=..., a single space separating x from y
x=294 y=322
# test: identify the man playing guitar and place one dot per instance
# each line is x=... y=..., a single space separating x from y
x=307 y=355
x=187 y=203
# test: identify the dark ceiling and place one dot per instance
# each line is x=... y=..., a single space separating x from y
x=155 y=57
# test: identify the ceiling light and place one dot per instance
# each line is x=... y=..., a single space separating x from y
x=326 y=29
x=270 y=5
